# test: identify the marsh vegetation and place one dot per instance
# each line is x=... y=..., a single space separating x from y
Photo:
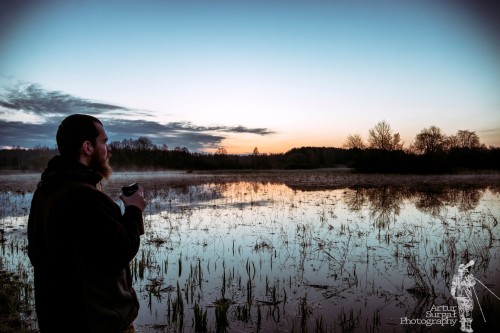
x=296 y=251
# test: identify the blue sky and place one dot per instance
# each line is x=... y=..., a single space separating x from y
x=243 y=74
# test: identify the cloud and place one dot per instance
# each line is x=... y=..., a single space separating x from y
x=175 y=134
x=34 y=99
x=241 y=129
x=17 y=133
x=30 y=115
x=491 y=135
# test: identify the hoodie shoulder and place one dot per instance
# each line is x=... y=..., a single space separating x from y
x=61 y=170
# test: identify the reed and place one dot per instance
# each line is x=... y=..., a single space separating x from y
x=16 y=298
x=221 y=320
x=177 y=306
x=200 y=319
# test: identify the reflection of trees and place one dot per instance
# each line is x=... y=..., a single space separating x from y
x=465 y=199
x=384 y=202
x=434 y=201
x=494 y=189
x=355 y=200
x=454 y=238
x=431 y=202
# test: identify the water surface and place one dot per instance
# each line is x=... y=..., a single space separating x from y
x=262 y=256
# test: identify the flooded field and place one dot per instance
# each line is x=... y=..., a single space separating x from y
x=299 y=252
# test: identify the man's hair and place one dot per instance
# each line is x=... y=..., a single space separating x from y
x=75 y=130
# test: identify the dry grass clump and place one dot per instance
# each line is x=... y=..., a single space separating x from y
x=13 y=303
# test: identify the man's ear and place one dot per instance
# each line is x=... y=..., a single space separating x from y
x=87 y=148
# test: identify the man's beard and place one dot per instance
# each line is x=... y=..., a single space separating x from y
x=101 y=166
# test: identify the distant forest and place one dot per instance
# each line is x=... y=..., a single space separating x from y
x=430 y=152
x=142 y=154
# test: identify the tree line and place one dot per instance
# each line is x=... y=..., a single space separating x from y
x=430 y=152
x=430 y=140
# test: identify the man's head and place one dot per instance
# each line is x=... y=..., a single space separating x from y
x=82 y=138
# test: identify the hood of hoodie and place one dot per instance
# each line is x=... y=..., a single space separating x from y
x=60 y=169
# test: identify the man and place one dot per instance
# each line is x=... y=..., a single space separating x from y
x=79 y=243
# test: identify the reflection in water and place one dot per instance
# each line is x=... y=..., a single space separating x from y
x=435 y=201
x=255 y=256
x=368 y=255
x=384 y=202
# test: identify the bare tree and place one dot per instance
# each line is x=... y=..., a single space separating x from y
x=397 y=143
x=430 y=140
x=221 y=151
x=144 y=143
x=382 y=137
x=354 y=141
x=466 y=139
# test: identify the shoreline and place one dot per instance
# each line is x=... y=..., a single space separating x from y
x=316 y=179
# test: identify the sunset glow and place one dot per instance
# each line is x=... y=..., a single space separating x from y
x=244 y=74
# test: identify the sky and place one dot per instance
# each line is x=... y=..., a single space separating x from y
x=243 y=74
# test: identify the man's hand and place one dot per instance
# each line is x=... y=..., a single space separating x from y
x=136 y=199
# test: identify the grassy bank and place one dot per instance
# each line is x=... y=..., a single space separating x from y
x=14 y=303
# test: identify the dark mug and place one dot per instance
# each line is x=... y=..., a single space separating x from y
x=128 y=190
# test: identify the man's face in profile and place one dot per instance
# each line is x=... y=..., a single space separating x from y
x=101 y=154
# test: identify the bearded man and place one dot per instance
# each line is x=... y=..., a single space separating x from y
x=79 y=242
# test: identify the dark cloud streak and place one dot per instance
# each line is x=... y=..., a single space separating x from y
x=53 y=106
x=16 y=133
x=36 y=100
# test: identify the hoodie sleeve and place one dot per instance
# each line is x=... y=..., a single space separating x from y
x=106 y=239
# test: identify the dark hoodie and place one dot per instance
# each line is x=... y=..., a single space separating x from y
x=80 y=246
